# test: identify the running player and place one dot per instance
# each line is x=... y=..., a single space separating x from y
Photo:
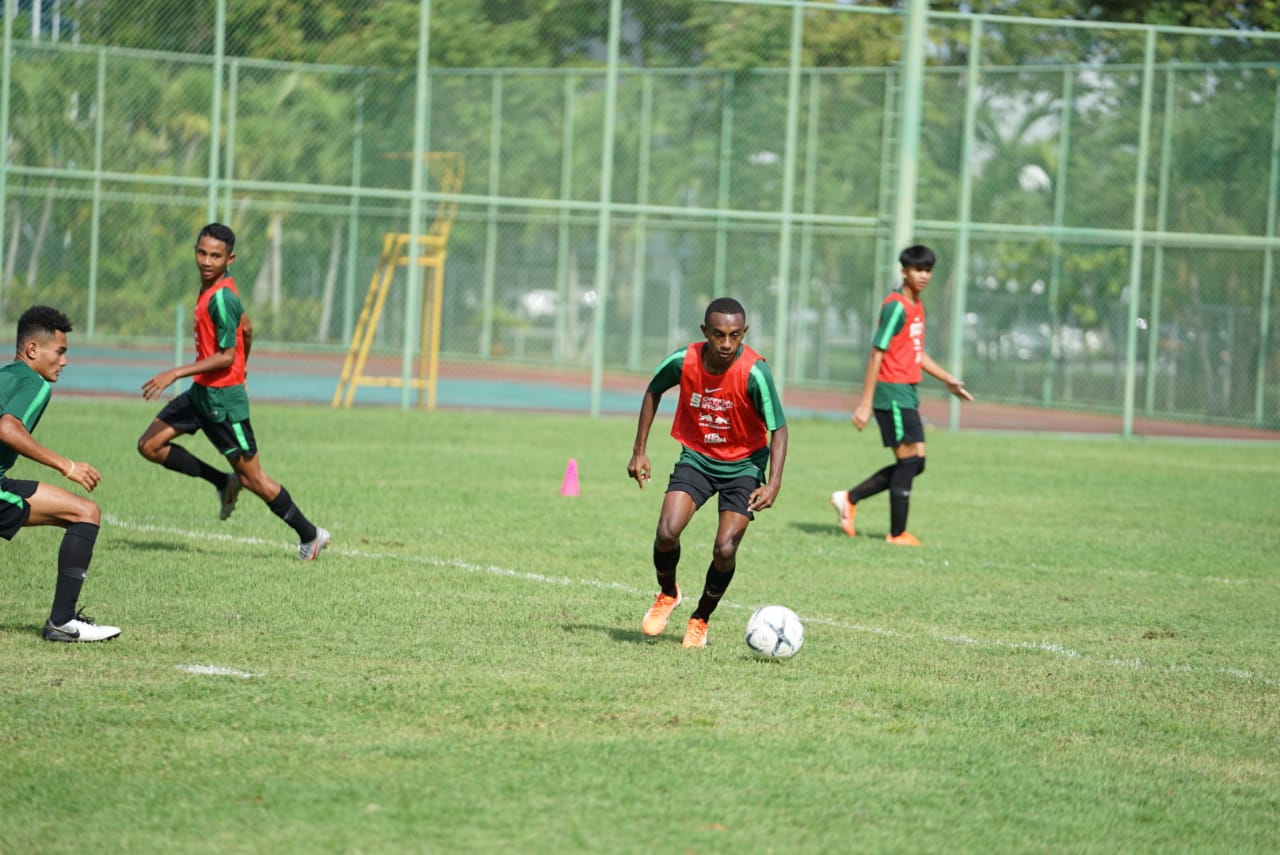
x=217 y=402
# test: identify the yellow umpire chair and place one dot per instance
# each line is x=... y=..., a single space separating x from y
x=446 y=168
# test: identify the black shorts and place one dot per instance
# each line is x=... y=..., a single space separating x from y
x=900 y=425
x=735 y=494
x=233 y=439
x=14 y=510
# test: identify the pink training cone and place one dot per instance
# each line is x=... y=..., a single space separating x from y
x=569 y=486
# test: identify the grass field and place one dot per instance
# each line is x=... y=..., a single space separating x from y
x=1081 y=658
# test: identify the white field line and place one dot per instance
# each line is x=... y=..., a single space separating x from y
x=1048 y=647
x=216 y=671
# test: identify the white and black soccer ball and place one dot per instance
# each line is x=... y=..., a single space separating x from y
x=774 y=632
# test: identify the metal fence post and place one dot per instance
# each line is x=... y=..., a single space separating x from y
x=603 y=222
x=1139 y=220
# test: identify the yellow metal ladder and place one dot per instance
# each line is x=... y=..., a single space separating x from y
x=447 y=169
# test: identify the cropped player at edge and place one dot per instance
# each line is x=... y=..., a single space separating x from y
x=25 y=389
x=730 y=425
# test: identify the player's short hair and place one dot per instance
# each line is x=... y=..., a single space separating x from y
x=724 y=306
x=40 y=321
x=918 y=256
x=218 y=231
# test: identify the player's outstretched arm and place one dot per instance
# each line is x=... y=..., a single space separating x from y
x=215 y=362
x=14 y=434
x=954 y=385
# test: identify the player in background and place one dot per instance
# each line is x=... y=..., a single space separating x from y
x=889 y=387
x=25 y=389
x=730 y=425
x=217 y=402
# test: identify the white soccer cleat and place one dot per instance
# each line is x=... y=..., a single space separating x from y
x=80 y=628
x=845 y=511
x=228 y=495
x=311 y=550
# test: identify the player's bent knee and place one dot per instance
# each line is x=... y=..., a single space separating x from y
x=667 y=536
x=725 y=551
x=85 y=511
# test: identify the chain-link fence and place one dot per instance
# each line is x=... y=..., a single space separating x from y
x=1102 y=198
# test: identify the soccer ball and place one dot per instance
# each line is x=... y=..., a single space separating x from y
x=774 y=632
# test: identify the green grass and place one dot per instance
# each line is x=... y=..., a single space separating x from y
x=1081 y=658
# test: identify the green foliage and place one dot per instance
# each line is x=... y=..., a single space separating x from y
x=539 y=33
x=1221 y=14
x=1080 y=657
x=1213 y=14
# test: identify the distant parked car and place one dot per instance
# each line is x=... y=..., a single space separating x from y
x=541 y=304
x=1025 y=342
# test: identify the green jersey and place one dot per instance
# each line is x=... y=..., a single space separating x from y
x=23 y=395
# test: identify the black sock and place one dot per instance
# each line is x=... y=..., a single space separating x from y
x=665 y=565
x=283 y=507
x=877 y=483
x=181 y=460
x=900 y=492
x=717 y=583
x=74 y=556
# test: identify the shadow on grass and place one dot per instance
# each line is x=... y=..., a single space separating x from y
x=163 y=546
x=624 y=635
x=215 y=548
x=32 y=628
x=833 y=530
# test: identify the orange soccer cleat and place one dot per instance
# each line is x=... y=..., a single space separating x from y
x=904 y=539
x=695 y=634
x=655 y=620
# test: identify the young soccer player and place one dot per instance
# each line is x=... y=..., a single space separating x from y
x=890 y=389
x=24 y=392
x=730 y=424
x=217 y=402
